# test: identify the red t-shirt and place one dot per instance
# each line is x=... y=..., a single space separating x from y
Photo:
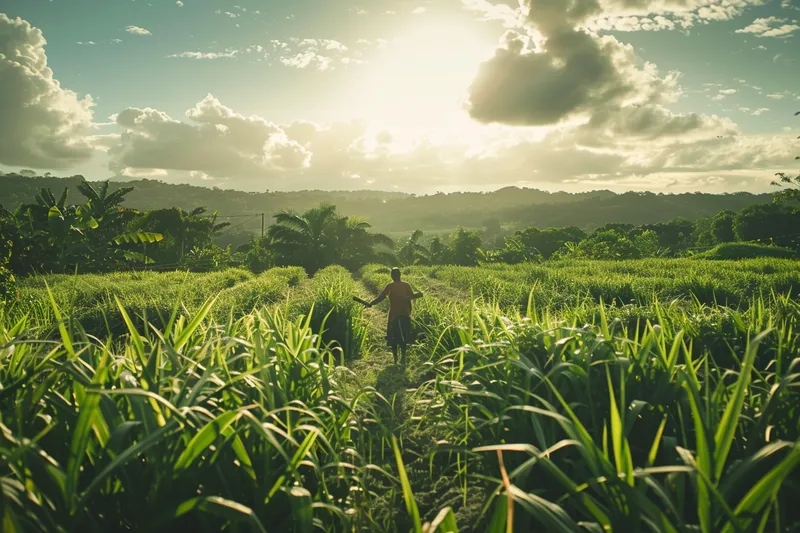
x=399 y=294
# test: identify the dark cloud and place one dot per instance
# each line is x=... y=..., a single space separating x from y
x=561 y=70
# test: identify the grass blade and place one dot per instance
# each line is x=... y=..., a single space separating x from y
x=408 y=495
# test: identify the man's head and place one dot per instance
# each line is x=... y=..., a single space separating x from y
x=396 y=274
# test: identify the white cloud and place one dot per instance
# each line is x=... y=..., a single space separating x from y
x=790 y=4
x=205 y=55
x=179 y=3
x=651 y=15
x=755 y=112
x=320 y=54
x=136 y=30
x=770 y=27
x=418 y=11
x=642 y=147
x=87 y=43
x=43 y=124
x=139 y=173
x=306 y=59
x=776 y=96
x=220 y=143
x=510 y=17
x=116 y=41
x=723 y=93
x=620 y=15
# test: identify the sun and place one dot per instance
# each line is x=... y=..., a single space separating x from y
x=418 y=81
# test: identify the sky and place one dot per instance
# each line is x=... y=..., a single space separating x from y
x=417 y=96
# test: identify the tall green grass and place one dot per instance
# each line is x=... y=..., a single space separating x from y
x=564 y=282
x=196 y=426
x=616 y=429
x=149 y=297
x=584 y=396
x=335 y=315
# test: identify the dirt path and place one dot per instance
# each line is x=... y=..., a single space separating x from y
x=376 y=367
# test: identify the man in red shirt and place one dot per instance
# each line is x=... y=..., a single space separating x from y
x=398 y=332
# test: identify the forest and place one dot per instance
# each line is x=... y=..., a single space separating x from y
x=393 y=212
x=615 y=376
x=95 y=231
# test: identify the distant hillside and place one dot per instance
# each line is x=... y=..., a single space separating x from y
x=399 y=212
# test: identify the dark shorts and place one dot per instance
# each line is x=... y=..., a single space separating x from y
x=399 y=331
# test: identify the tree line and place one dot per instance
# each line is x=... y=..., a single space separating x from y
x=100 y=234
x=395 y=212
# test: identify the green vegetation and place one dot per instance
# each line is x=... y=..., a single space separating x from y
x=640 y=375
x=572 y=395
x=747 y=250
x=52 y=235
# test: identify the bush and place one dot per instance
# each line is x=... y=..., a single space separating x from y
x=746 y=250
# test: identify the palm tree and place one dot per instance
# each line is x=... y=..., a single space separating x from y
x=358 y=247
x=107 y=209
x=184 y=230
x=438 y=251
x=307 y=239
x=320 y=237
x=413 y=252
x=100 y=203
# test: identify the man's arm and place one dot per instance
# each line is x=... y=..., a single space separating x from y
x=381 y=297
x=415 y=295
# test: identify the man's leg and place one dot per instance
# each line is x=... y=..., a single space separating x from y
x=405 y=328
x=394 y=352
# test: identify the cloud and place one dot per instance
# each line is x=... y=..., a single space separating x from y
x=219 y=143
x=620 y=15
x=510 y=17
x=642 y=147
x=43 y=124
x=305 y=59
x=652 y=123
x=179 y=3
x=724 y=93
x=116 y=41
x=653 y=15
x=755 y=112
x=776 y=96
x=205 y=55
x=790 y=4
x=320 y=54
x=136 y=30
x=770 y=27
x=87 y=43
x=559 y=71
x=418 y=11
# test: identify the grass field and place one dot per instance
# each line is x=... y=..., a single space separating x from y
x=653 y=395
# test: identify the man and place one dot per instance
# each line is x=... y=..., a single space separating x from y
x=398 y=332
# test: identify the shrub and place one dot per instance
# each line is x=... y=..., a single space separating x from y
x=743 y=250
